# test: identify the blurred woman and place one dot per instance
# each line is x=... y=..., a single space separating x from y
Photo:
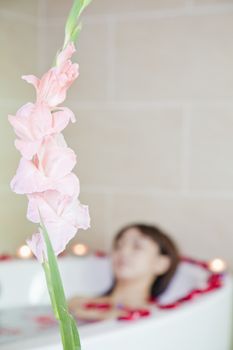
x=144 y=260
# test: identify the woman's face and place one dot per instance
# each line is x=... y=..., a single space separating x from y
x=135 y=256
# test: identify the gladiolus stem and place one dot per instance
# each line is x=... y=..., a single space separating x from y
x=68 y=329
x=50 y=289
x=73 y=28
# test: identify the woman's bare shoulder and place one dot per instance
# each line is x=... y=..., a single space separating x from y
x=77 y=303
x=79 y=299
x=102 y=299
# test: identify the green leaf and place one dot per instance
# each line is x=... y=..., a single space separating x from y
x=50 y=289
x=68 y=327
x=55 y=278
x=75 y=34
x=72 y=21
x=75 y=332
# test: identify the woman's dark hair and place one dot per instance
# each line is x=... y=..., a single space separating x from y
x=166 y=246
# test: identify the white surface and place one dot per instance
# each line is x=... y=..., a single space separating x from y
x=23 y=282
x=202 y=324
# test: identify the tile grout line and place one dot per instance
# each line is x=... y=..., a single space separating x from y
x=187 y=10
x=135 y=105
x=155 y=192
x=111 y=190
x=111 y=52
x=189 y=3
x=185 y=149
x=40 y=35
x=108 y=218
x=174 y=13
x=29 y=19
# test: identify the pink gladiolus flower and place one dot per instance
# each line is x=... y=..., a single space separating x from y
x=52 y=206
x=52 y=87
x=50 y=169
x=62 y=216
x=45 y=170
x=33 y=122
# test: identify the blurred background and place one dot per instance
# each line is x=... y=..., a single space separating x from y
x=154 y=108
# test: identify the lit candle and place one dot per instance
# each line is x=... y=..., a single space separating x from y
x=79 y=249
x=217 y=265
x=24 y=252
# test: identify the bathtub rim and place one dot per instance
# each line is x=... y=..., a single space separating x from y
x=91 y=332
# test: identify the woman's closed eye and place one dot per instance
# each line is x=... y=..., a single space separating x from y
x=133 y=245
x=138 y=246
x=118 y=245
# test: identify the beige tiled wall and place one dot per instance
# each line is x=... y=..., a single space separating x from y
x=154 y=114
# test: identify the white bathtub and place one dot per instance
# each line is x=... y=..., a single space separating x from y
x=201 y=324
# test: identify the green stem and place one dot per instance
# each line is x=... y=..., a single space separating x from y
x=50 y=289
x=68 y=328
x=65 y=329
x=73 y=27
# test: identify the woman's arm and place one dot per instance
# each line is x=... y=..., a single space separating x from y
x=77 y=308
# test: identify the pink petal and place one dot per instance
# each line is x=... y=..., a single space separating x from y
x=55 y=207
x=21 y=120
x=29 y=179
x=77 y=214
x=68 y=185
x=61 y=118
x=61 y=215
x=41 y=121
x=27 y=149
x=57 y=160
x=31 y=124
x=45 y=203
x=32 y=79
x=52 y=87
x=66 y=53
x=60 y=233
x=37 y=246
x=83 y=217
